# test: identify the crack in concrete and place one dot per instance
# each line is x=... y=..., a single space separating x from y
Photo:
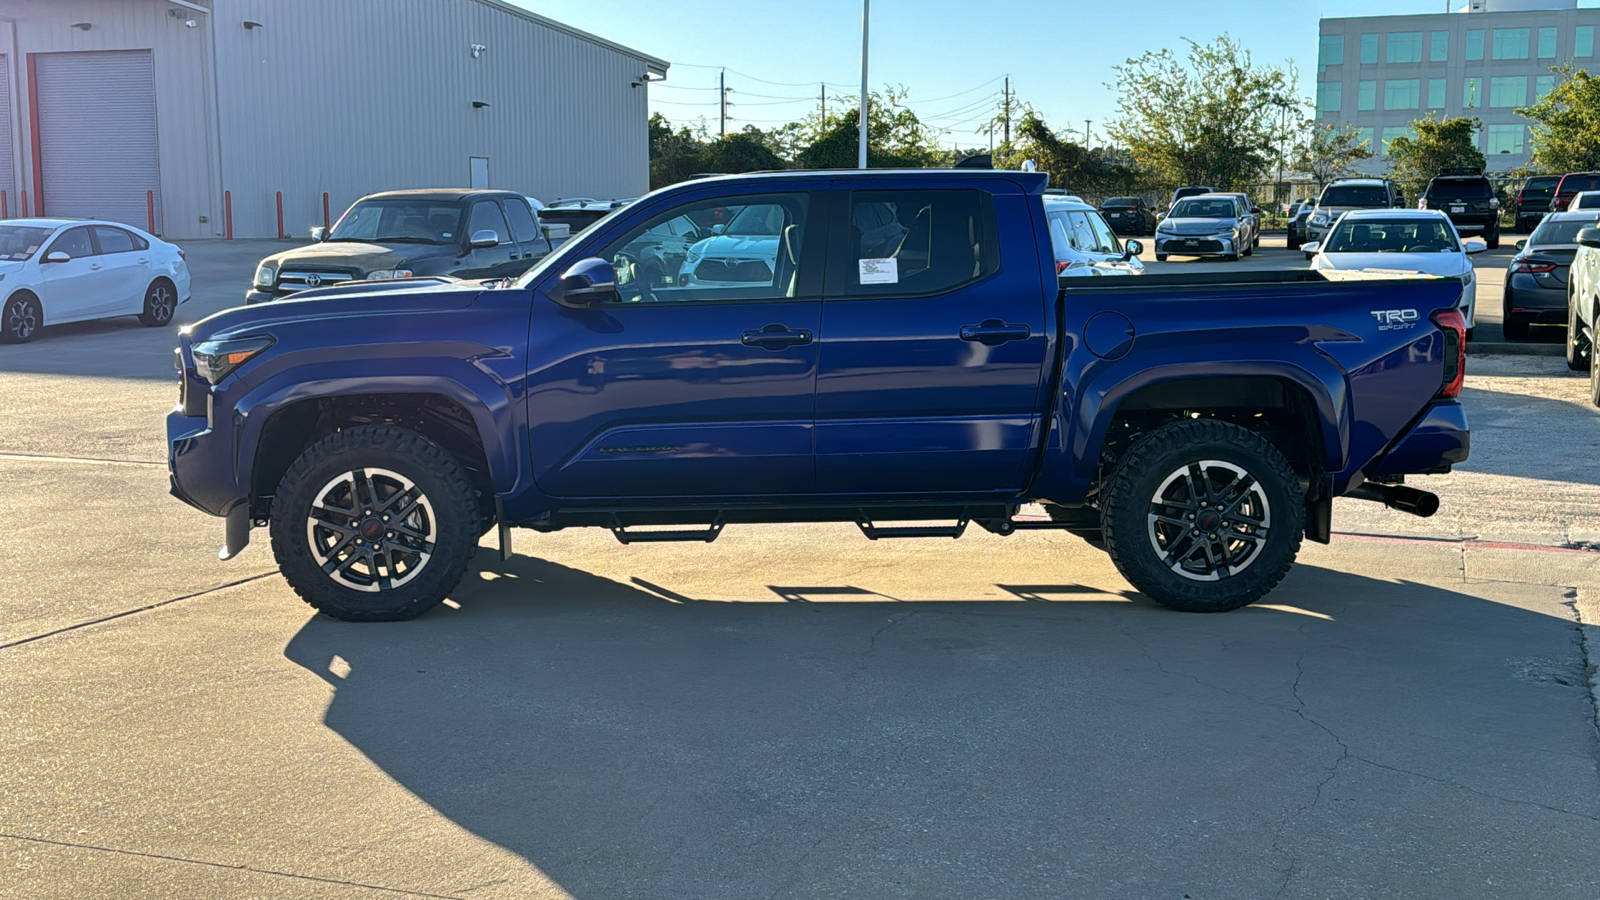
x=82 y=460
x=130 y=612
x=231 y=866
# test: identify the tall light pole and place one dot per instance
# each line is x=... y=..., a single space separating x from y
x=866 y=20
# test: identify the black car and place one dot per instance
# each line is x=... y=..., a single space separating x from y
x=1533 y=200
x=1470 y=203
x=1299 y=215
x=1129 y=215
x=1536 y=281
x=405 y=234
x=1193 y=190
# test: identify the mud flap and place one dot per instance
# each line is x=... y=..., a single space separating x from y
x=1319 y=518
x=235 y=532
x=505 y=529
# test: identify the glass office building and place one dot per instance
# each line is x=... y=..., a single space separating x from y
x=1380 y=73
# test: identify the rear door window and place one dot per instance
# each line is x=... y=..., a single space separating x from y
x=486 y=216
x=523 y=227
x=924 y=242
x=115 y=240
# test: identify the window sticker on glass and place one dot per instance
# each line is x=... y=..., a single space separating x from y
x=880 y=271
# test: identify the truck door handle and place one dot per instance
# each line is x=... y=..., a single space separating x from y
x=994 y=331
x=776 y=337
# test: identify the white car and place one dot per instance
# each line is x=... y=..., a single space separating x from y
x=54 y=271
x=1399 y=243
x=1084 y=244
x=1583 y=309
x=1584 y=200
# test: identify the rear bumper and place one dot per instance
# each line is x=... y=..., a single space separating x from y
x=1475 y=222
x=1529 y=299
x=1438 y=440
x=200 y=465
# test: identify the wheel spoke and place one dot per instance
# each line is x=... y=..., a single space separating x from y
x=1169 y=520
x=327 y=517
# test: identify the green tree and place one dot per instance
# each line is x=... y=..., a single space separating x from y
x=1213 y=117
x=742 y=151
x=1070 y=164
x=1566 y=123
x=674 y=155
x=895 y=136
x=1328 y=152
x=1433 y=145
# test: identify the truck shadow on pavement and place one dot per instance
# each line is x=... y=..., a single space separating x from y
x=629 y=740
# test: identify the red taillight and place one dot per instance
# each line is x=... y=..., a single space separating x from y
x=1454 y=327
x=1528 y=268
x=1061 y=266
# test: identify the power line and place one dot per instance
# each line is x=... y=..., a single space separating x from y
x=965 y=92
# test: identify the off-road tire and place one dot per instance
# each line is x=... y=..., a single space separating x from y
x=160 y=303
x=1151 y=462
x=20 y=318
x=430 y=468
x=1580 y=356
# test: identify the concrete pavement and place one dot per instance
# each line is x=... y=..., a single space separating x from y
x=792 y=711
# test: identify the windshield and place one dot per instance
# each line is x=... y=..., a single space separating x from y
x=1390 y=236
x=1355 y=195
x=19 y=242
x=760 y=220
x=1571 y=184
x=400 y=221
x=1459 y=189
x=1540 y=187
x=1122 y=201
x=1564 y=231
x=1204 y=209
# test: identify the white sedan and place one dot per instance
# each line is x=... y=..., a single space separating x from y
x=1399 y=243
x=57 y=270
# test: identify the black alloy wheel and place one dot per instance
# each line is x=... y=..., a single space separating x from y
x=160 y=303
x=20 y=320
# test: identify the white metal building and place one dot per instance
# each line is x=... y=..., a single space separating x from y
x=178 y=111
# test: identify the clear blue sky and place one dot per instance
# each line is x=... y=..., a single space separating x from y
x=952 y=55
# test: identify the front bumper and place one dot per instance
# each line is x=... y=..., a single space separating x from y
x=257 y=295
x=200 y=464
x=1438 y=440
x=1194 y=245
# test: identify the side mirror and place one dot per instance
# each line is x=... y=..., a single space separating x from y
x=319 y=234
x=1131 y=249
x=1521 y=246
x=1473 y=245
x=60 y=256
x=1255 y=210
x=1312 y=249
x=586 y=282
x=718 y=228
x=484 y=238
x=1589 y=237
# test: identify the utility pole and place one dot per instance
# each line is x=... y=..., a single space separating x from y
x=822 y=109
x=866 y=20
x=1007 y=110
x=722 y=105
x=1086 y=138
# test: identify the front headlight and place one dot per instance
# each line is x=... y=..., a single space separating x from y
x=215 y=360
x=1319 y=218
x=388 y=274
x=692 y=257
x=266 y=275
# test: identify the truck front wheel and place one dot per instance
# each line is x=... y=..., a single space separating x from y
x=1203 y=516
x=374 y=524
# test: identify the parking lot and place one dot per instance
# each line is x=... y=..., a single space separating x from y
x=792 y=711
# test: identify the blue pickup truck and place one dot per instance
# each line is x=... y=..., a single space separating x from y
x=1197 y=427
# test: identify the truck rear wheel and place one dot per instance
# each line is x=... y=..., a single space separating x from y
x=374 y=524
x=1203 y=516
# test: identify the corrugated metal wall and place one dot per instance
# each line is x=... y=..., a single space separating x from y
x=181 y=59
x=8 y=156
x=357 y=96
x=97 y=135
x=348 y=97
